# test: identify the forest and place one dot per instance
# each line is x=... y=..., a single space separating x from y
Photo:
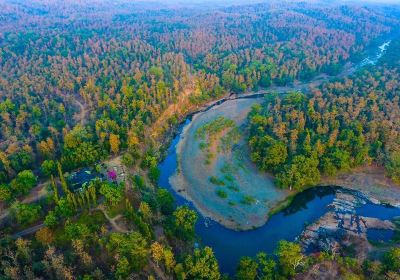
x=98 y=89
x=336 y=127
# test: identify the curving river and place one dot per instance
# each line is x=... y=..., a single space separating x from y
x=306 y=208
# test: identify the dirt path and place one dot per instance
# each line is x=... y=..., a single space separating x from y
x=160 y=274
x=82 y=116
x=112 y=221
x=28 y=231
x=36 y=194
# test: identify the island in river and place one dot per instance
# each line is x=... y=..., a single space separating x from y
x=227 y=187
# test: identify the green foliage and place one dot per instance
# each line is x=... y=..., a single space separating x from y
x=392 y=260
x=25 y=214
x=184 y=222
x=64 y=208
x=247 y=200
x=154 y=174
x=76 y=231
x=132 y=246
x=165 y=201
x=247 y=269
x=113 y=193
x=393 y=166
x=48 y=168
x=202 y=265
x=221 y=193
x=5 y=192
x=290 y=257
x=51 y=220
x=214 y=180
x=301 y=171
x=214 y=127
x=24 y=182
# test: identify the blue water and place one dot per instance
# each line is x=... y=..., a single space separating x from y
x=382 y=212
x=229 y=245
x=380 y=235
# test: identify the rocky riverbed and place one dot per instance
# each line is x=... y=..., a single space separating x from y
x=343 y=227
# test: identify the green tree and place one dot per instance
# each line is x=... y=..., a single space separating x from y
x=202 y=265
x=24 y=182
x=290 y=257
x=393 y=166
x=64 y=208
x=184 y=221
x=111 y=192
x=301 y=171
x=5 y=192
x=392 y=260
x=165 y=201
x=247 y=269
x=49 y=168
x=25 y=214
x=51 y=219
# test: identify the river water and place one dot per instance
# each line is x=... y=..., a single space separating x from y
x=307 y=207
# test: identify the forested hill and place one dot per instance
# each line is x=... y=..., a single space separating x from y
x=90 y=90
x=336 y=127
x=115 y=69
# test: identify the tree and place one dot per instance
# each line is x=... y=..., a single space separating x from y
x=24 y=182
x=184 y=222
x=145 y=210
x=48 y=167
x=64 y=208
x=165 y=201
x=202 y=265
x=45 y=236
x=111 y=192
x=25 y=214
x=247 y=269
x=51 y=219
x=114 y=143
x=392 y=260
x=133 y=246
x=301 y=171
x=123 y=268
x=393 y=166
x=157 y=252
x=169 y=260
x=5 y=192
x=290 y=257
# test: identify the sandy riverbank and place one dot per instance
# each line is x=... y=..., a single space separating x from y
x=192 y=179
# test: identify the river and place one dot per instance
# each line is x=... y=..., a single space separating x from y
x=306 y=208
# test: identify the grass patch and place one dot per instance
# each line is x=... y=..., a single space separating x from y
x=231 y=203
x=213 y=127
x=248 y=200
x=230 y=139
x=229 y=178
x=221 y=193
x=203 y=146
x=113 y=211
x=234 y=188
x=214 y=180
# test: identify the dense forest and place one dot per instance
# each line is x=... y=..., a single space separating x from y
x=86 y=83
x=336 y=127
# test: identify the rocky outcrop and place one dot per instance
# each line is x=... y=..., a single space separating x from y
x=341 y=227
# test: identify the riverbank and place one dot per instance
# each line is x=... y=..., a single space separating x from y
x=244 y=205
x=369 y=180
